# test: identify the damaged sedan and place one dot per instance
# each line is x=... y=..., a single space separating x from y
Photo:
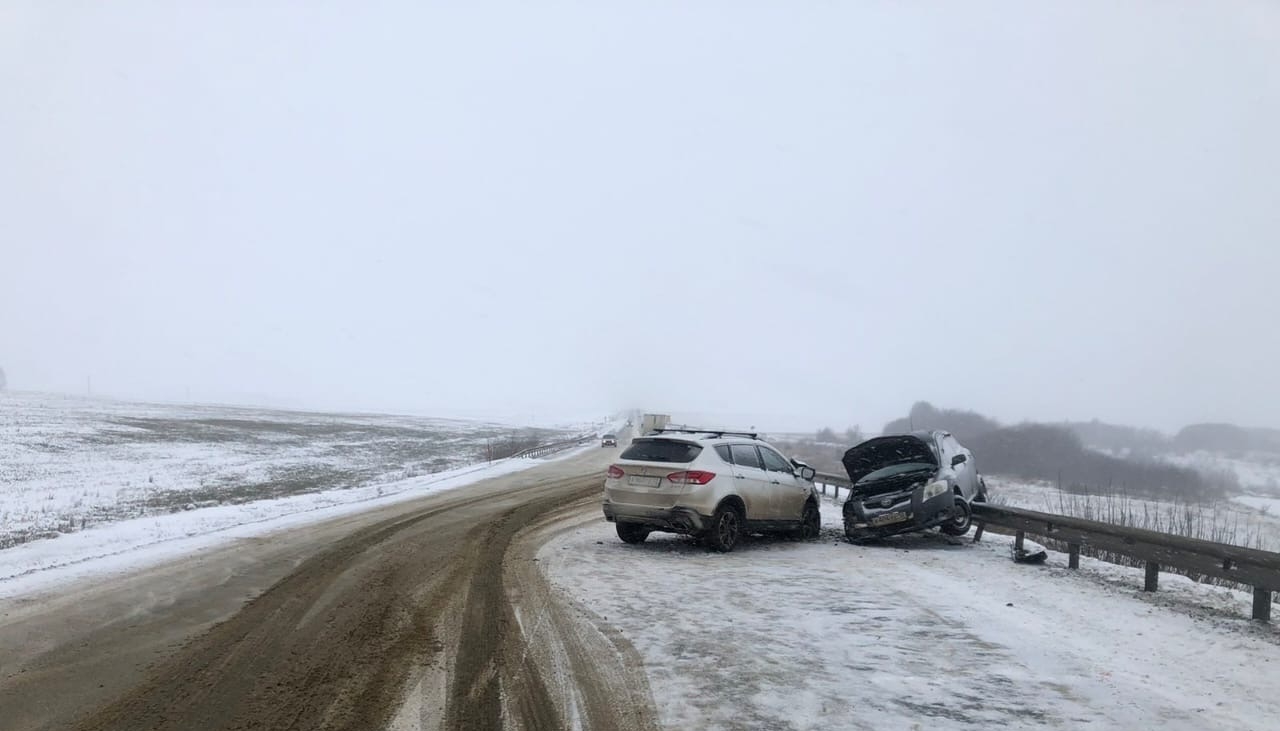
x=904 y=483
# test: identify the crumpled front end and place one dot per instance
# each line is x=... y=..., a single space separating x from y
x=915 y=500
x=903 y=511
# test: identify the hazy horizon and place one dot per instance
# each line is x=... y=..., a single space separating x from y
x=789 y=216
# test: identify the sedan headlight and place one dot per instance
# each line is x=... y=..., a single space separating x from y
x=934 y=489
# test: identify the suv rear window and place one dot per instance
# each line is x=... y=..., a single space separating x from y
x=661 y=450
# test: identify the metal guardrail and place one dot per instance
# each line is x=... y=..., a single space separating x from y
x=823 y=480
x=1248 y=566
x=543 y=450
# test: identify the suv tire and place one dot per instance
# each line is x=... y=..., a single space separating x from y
x=810 y=522
x=725 y=530
x=961 y=522
x=632 y=533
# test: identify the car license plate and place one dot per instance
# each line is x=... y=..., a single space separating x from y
x=889 y=519
x=642 y=481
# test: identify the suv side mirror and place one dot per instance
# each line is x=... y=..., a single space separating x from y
x=807 y=473
x=959 y=459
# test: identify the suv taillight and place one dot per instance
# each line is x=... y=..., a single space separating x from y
x=615 y=472
x=692 y=477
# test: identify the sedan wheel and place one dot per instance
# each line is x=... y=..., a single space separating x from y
x=961 y=520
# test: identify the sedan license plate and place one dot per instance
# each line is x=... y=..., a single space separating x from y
x=889 y=519
x=642 y=481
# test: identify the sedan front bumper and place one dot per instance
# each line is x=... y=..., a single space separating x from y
x=903 y=514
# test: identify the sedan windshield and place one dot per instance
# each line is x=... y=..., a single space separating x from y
x=893 y=470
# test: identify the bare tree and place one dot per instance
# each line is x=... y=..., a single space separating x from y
x=3 y=383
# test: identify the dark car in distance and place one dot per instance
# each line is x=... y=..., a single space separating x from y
x=903 y=483
x=608 y=440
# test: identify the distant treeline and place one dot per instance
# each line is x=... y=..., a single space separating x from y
x=1067 y=454
x=823 y=456
x=1082 y=456
x=1113 y=438
x=1055 y=453
x=1227 y=438
x=963 y=425
x=1223 y=438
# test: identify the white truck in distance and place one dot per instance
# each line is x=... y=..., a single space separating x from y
x=651 y=423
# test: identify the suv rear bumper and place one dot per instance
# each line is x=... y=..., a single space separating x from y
x=674 y=520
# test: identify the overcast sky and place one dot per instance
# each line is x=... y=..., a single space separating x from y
x=787 y=213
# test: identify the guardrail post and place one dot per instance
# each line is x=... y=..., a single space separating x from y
x=1153 y=576
x=977 y=535
x=1261 y=604
x=1073 y=555
x=1018 y=539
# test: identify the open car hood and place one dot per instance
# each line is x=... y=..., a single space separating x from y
x=874 y=454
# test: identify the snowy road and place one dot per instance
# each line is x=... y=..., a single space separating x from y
x=409 y=615
x=921 y=633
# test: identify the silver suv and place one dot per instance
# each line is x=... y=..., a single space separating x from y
x=713 y=485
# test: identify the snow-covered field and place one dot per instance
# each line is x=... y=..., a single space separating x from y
x=1259 y=473
x=1267 y=506
x=84 y=479
x=919 y=633
x=67 y=462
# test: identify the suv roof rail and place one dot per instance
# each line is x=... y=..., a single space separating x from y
x=714 y=432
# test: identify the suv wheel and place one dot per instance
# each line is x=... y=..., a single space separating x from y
x=726 y=529
x=960 y=522
x=632 y=532
x=810 y=522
